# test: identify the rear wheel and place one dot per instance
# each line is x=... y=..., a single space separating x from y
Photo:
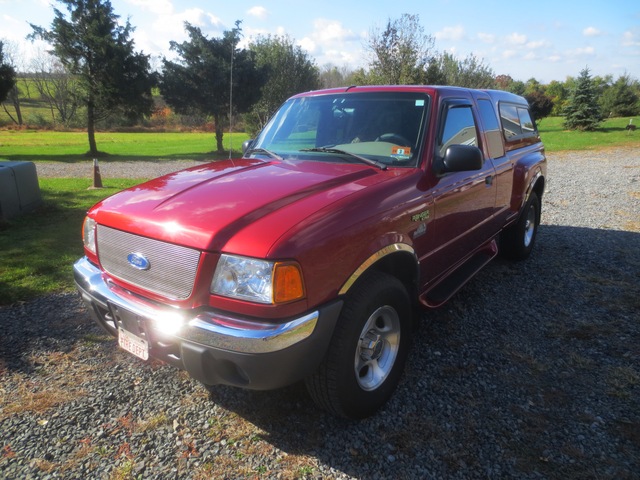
x=368 y=350
x=517 y=241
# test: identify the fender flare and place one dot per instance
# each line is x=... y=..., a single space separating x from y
x=380 y=254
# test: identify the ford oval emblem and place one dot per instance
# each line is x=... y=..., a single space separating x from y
x=138 y=261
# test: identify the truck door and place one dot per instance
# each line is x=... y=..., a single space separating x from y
x=464 y=201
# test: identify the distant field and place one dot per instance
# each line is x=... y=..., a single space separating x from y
x=612 y=133
x=44 y=145
x=37 y=145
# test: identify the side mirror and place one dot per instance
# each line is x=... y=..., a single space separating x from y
x=246 y=145
x=462 y=158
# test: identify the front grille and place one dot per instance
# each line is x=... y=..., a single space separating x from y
x=172 y=268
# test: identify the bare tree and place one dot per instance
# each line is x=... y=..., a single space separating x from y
x=11 y=58
x=59 y=89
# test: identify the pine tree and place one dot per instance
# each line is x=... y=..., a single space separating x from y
x=583 y=111
x=621 y=99
x=199 y=80
x=92 y=45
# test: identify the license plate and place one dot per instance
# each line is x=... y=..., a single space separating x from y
x=133 y=344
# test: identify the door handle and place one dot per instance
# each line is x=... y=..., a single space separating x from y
x=488 y=181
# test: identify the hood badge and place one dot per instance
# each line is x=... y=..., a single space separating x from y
x=138 y=261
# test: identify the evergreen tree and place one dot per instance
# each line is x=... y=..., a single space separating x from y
x=583 y=111
x=621 y=99
x=200 y=80
x=93 y=46
x=7 y=76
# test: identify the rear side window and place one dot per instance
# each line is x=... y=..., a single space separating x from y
x=517 y=123
x=510 y=121
x=526 y=123
x=492 y=130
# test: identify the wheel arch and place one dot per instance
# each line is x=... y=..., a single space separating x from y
x=398 y=260
x=538 y=185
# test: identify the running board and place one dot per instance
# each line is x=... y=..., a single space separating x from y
x=448 y=286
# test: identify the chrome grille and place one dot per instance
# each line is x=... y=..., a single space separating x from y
x=172 y=268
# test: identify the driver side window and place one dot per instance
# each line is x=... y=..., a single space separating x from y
x=459 y=129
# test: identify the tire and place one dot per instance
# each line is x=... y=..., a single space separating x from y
x=517 y=241
x=368 y=350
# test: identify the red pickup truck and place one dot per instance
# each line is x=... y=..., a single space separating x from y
x=310 y=257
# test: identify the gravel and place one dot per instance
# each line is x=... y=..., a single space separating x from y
x=531 y=371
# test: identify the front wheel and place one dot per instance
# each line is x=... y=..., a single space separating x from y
x=517 y=241
x=368 y=350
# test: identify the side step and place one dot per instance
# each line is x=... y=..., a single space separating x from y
x=449 y=285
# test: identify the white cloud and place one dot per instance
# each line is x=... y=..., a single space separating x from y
x=169 y=26
x=581 y=52
x=173 y=25
x=331 y=42
x=591 y=32
x=328 y=31
x=258 y=12
x=538 y=44
x=516 y=39
x=487 y=37
x=509 y=54
x=308 y=44
x=630 y=39
x=14 y=27
x=451 y=33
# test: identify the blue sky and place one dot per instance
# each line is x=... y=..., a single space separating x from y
x=548 y=40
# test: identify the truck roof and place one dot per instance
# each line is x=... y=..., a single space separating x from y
x=496 y=95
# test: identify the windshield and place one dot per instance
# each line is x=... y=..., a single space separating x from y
x=383 y=127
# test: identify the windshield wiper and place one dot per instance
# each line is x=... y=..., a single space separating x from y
x=265 y=151
x=366 y=160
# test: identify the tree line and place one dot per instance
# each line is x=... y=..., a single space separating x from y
x=93 y=77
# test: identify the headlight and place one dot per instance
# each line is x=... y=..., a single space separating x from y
x=257 y=280
x=89 y=234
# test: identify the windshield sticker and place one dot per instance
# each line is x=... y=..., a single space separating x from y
x=401 y=153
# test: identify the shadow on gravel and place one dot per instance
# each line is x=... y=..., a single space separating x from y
x=28 y=328
x=532 y=370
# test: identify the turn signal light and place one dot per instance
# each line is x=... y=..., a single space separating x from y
x=287 y=283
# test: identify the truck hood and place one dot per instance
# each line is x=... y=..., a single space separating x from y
x=204 y=207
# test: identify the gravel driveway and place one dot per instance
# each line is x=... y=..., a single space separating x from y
x=531 y=371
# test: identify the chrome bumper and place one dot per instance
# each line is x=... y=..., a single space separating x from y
x=208 y=329
x=213 y=348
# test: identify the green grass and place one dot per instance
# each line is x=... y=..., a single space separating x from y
x=37 y=145
x=611 y=134
x=37 y=250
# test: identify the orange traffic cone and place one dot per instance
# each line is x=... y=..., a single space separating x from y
x=97 y=179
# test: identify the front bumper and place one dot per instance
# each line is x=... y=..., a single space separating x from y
x=214 y=348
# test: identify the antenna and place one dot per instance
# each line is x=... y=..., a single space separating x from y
x=231 y=102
